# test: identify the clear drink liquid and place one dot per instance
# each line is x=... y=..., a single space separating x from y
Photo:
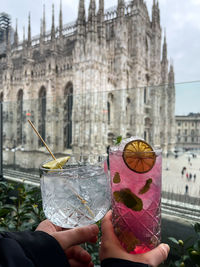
x=138 y=229
x=75 y=196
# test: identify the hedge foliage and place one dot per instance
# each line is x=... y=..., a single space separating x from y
x=21 y=209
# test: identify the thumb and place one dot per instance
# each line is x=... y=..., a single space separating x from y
x=156 y=256
x=76 y=236
x=108 y=234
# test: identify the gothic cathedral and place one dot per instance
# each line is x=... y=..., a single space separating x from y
x=84 y=83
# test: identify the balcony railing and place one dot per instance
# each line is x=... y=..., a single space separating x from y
x=88 y=122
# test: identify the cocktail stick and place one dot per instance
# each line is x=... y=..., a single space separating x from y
x=83 y=201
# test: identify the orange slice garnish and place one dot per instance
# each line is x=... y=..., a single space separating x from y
x=139 y=156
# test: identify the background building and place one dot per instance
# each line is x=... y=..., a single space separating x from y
x=188 y=131
x=84 y=83
x=5 y=30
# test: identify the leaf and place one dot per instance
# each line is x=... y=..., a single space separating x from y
x=36 y=210
x=146 y=187
x=11 y=226
x=197 y=227
x=31 y=216
x=185 y=257
x=194 y=256
x=10 y=207
x=174 y=240
x=116 y=178
x=118 y=140
x=26 y=226
x=3 y=212
x=127 y=238
x=13 y=198
x=171 y=264
x=177 y=263
x=196 y=245
x=129 y=199
x=3 y=228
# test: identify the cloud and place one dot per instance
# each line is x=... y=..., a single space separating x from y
x=196 y=2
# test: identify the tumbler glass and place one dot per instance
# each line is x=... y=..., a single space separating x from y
x=78 y=194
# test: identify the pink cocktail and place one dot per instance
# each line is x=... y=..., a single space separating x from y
x=136 y=201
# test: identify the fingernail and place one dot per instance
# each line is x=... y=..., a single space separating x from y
x=165 y=248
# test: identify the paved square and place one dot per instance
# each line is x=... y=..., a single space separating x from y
x=172 y=179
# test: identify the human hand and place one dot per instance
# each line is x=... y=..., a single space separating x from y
x=111 y=247
x=70 y=239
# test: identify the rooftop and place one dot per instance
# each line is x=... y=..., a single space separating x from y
x=190 y=115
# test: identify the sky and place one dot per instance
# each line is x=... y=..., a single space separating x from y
x=180 y=19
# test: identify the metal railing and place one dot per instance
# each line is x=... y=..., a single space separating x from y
x=75 y=123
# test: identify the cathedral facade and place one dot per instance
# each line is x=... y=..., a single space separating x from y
x=85 y=83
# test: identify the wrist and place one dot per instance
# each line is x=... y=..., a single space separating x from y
x=114 y=262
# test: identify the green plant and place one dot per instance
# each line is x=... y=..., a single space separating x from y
x=118 y=140
x=20 y=207
x=93 y=249
x=5 y=189
x=188 y=255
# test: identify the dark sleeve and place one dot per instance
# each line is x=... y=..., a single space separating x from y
x=30 y=249
x=114 y=262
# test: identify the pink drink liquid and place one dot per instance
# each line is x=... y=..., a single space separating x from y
x=138 y=230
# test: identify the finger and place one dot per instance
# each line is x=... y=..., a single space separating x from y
x=77 y=252
x=76 y=236
x=107 y=229
x=93 y=239
x=111 y=247
x=76 y=263
x=158 y=255
x=48 y=227
x=154 y=257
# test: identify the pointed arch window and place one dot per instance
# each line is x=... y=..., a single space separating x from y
x=145 y=135
x=56 y=69
x=1 y=97
x=128 y=135
x=68 y=108
x=147 y=129
x=146 y=45
x=145 y=95
x=128 y=110
x=19 y=117
x=110 y=108
x=42 y=114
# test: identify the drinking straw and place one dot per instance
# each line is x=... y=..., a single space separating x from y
x=83 y=201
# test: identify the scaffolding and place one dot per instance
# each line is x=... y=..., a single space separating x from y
x=5 y=23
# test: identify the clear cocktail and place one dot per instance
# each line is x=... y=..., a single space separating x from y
x=76 y=195
x=135 y=171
